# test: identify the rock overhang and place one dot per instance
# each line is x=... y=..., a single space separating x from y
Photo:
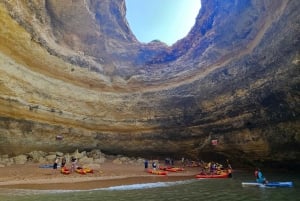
x=126 y=97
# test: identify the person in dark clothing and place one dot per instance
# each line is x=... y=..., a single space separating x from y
x=55 y=164
x=63 y=162
x=146 y=164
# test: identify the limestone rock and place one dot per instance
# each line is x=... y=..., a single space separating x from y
x=20 y=159
x=117 y=161
x=6 y=161
x=73 y=76
x=99 y=160
x=50 y=158
x=86 y=160
x=37 y=156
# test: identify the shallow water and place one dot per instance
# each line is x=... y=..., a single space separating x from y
x=192 y=189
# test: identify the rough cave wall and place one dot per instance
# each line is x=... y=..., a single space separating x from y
x=74 y=68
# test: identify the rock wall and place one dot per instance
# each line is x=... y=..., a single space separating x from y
x=74 y=69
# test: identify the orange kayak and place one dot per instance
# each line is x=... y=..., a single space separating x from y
x=84 y=170
x=171 y=169
x=80 y=171
x=157 y=172
x=212 y=176
x=88 y=170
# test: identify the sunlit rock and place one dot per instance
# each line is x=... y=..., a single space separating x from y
x=73 y=76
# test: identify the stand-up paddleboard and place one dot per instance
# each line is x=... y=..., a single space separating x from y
x=269 y=184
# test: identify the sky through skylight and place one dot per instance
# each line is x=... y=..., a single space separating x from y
x=164 y=20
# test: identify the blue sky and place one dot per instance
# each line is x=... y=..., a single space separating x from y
x=165 y=20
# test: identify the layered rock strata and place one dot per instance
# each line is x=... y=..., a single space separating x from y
x=74 y=69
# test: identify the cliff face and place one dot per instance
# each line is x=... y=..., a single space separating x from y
x=74 y=69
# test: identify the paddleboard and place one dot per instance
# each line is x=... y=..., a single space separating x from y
x=269 y=184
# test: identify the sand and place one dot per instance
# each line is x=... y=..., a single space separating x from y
x=31 y=176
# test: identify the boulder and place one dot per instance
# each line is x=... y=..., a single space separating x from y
x=20 y=159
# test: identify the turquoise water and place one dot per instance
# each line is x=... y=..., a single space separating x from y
x=192 y=189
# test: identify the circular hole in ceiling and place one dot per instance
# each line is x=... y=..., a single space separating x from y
x=165 y=20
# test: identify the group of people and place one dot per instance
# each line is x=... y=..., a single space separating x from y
x=213 y=168
x=154 y=164
x=56 y=161
x=63 y=163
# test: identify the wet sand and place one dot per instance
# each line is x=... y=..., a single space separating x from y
x=30 y=176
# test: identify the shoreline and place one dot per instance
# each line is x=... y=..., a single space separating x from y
x=96 y=183
x=31 y=177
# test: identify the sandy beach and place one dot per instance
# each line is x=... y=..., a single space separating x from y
x=31 y=176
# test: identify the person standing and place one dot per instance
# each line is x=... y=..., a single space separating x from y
x=182 y=161
x=55 y=164
x=153 y=165
x=259 y=176
x=73 y=164
x=229 y=171
x=63 y=162
x=146 y=164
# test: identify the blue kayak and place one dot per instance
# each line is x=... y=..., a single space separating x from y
x=269 y=184
x=48 y=166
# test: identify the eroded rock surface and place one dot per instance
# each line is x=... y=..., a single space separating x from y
x=74 y=69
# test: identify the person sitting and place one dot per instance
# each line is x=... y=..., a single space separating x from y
x=202 y=172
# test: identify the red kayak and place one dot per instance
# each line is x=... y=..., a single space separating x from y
x=212 y=176
x=65 y=170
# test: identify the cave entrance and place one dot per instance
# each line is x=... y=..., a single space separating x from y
x=163 y=20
